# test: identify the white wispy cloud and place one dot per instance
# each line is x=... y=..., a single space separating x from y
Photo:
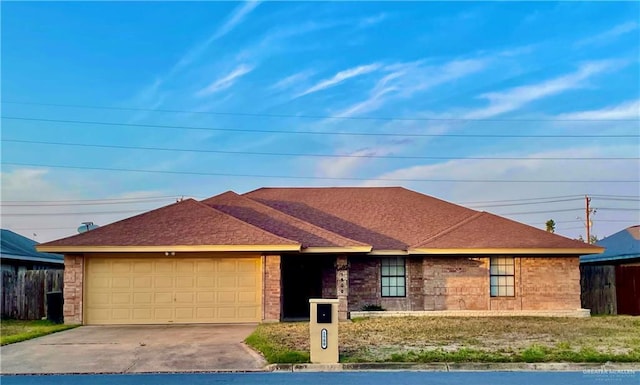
x=235 y=18
x=372 y=20
x=291 y=80
x=406 y=79
x=627 y=110
x=226 y=81
x=340 y=77
x=341 y=167
x=515 y=98
x=609 y=35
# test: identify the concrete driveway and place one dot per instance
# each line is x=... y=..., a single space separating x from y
x=134 y=349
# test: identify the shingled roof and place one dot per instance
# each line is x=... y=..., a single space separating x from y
x=279 y=223
x=188 y=223
x=339 y=219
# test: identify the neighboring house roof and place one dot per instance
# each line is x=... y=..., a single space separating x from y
x=16 y=247
x=340 y=219
x=623 y=245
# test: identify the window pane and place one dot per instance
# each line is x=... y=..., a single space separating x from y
x=494 y=281
x=401 y=282
x=385 y=270
x=401 y=269
x=494 y=291
x=401 y=291
x=510 y=281
x=393 y=281
x=510 y=291
x=393 y=270
x=385 y=291
x=385 y=281
x=509 y=270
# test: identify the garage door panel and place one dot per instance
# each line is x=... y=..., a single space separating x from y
x=163 y=297
x=185 y=267
x=205 y=267
x=182 y=298
x=163 y=267
x=121 y=298
x=140 y=299
x=226 y=281
x=205 y=282
x=247 y=297
x=163 y=282
x=121 y=282
x=173 y=290
x=143 y=282
x=226 y=266
x=185 y=282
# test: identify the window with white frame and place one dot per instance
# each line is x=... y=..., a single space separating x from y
x=502 y=276
x=393 y=277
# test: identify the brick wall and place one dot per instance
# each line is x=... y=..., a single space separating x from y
x=363 y=282
x=455 y=283
x=272 y=288
x=329 y=279
x=462 y=283
x=550 y=283
x=73 y=284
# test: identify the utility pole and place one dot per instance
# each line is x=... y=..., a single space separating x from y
x=588 y=213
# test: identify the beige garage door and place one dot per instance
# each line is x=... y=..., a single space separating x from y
x=172 y=290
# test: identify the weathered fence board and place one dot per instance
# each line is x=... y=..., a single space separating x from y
x=598 y=288
x=24 y=294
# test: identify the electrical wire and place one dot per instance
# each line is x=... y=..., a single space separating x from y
x=341 y=133
x=191 y=150
x=197 y=173
x=302 y=116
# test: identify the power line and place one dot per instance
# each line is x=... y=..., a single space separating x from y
x=100 y=200
x=342 y=133
x=52 y=204
x=71 y=213
x=299 y=154
x=542 y=212
x=299 y=116
x=530 y=203
x=323 y=178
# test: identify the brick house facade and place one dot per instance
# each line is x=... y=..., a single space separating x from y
x=262 y=255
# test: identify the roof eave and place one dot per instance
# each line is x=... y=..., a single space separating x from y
x=168 y=248
x=515 y=251
x=337 y=249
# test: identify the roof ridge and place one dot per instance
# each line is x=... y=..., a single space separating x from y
x=245 y=223
x=289 y=216
x=449 y=229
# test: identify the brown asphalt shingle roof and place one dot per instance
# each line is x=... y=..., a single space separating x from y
x=391 y=218
x=184 y=223
x=381 y=218
x=488 y=231
x=277 y=222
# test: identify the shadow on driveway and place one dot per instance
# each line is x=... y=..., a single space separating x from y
x=134 y=349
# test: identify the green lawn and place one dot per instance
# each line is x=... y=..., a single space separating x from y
x=12 y=331
x=462 y=339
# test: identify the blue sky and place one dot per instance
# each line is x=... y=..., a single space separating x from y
x=429 y=87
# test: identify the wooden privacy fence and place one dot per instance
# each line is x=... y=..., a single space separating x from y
x=24 y=294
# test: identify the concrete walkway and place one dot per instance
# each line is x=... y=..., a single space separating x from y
x=134 y=349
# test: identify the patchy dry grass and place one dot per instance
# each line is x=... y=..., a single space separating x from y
x=12 y=331
x=463 y=339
